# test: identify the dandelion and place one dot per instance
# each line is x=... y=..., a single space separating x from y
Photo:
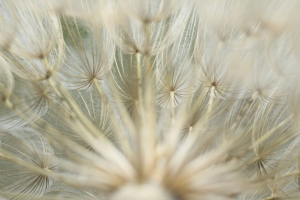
x=148 y=99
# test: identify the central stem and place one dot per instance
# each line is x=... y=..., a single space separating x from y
x=172 y=98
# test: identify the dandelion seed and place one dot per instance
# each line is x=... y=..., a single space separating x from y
x=87 y=59
x=18 y=182
x=30 y=98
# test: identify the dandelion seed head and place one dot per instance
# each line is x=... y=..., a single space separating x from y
x=140 y=99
